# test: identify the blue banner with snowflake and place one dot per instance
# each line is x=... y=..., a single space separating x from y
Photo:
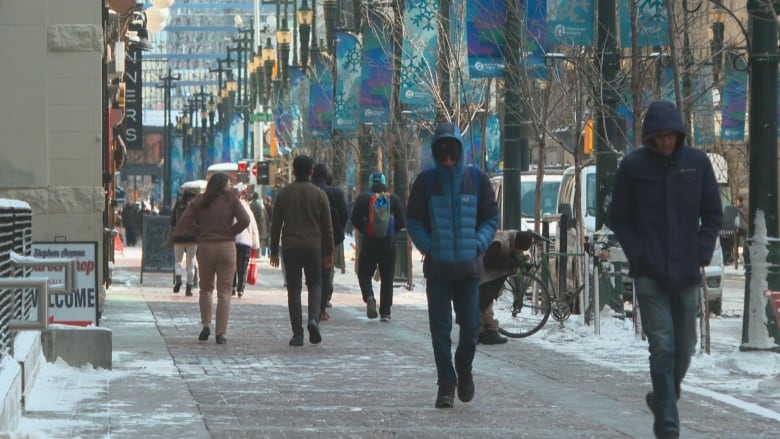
x=282 y=117
x=348 y=73
x=492 y=144
x=299 y=99
x=570 y=22
x=320 y=97
x=377 y=75
x=485 y=23
x=734 y=99
x=652 y=24
x=418 y=60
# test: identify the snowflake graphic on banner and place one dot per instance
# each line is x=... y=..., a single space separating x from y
x=353 y=59
x=424 y=15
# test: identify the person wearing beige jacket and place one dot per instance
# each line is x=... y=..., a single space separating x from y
x=215 y=217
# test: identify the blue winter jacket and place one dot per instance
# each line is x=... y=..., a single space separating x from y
x=448 y=221
x=666 y=211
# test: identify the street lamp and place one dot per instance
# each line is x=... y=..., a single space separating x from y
x=329 y=6
x=717 y=27
x=269 y=59
x=305 y=17
x=283 y=38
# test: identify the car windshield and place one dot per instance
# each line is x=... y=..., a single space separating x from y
x=549 y=197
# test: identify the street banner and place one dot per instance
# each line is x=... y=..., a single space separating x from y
x=624 y=109
x=536 y=27
x=282 y=117
x=299 y=99
x=492 y=144
x=652 y=24
x=349 y=58
x=235 y=139
x=320 y=97
x=178 y=167
x=214 y=153
x=377 y=73
x=79 y=308
x=734 y=99
x=703 y=116
x=485 y=26
x=419 y=54
x=570 y=23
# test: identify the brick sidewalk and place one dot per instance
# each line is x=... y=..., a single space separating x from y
x=367 y=379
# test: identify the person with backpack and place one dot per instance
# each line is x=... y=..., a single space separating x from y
x=377 y=215
x=338 y=217
x=452 y=218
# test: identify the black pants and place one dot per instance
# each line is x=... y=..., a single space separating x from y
x=243 y=252
x=377 y=252
x=300 y=261
x=327 y=284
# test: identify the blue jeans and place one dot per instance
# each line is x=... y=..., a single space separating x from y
x=669 y=320
x=442 y=295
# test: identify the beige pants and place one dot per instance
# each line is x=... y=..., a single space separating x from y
x=216 y=260
x=487 y=321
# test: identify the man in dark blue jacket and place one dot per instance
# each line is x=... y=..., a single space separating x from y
x=666 y=214
x=452 y=217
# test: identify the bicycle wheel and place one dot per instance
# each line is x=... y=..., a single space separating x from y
x=528 y=302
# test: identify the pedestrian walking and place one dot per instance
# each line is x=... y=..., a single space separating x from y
x=666 y=214
x=338 y=219
x=378 y=215
x=301 y=221
x=215 y=217
x=247 y=242
x=185 y=245
x=261 y=218
x=452 y=217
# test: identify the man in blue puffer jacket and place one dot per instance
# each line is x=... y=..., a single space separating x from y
x=452 y=217
x=666 y=214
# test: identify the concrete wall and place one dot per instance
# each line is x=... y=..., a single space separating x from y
x=51 y=117
x=50 y=135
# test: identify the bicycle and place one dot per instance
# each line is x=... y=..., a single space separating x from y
x=534 y=294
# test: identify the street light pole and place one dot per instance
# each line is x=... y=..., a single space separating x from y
x=167 y=85
x=763 y=180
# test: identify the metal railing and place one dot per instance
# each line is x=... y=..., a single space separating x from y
x=16 y=237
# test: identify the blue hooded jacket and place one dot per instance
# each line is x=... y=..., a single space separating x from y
x=448 y=221
x=666 y=210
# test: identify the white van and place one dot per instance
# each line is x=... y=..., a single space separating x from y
x=549 y=201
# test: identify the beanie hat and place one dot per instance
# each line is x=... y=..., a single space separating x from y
x=377 y=177
x=320 y=171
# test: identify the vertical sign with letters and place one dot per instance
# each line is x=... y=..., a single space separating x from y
x=79 y=308
x=134 y=133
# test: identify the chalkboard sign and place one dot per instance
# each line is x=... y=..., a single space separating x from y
x=155 y=258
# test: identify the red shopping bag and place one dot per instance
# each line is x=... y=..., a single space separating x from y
x=251 y=274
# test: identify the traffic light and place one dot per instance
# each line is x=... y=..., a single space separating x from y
x=243 y=172
x=587 y=137
x=264 y=173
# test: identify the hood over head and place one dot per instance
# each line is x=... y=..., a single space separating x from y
x=662 y=116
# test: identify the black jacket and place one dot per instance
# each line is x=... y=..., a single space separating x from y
x=338 y=208
x=360 y=209
x=666 y=211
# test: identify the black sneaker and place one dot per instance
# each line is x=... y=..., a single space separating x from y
x=240 y=294
x=465 y=386
x=371 y=308
x=445 y=399
x=177 y=284
x=297 y=340
x=204 y=334
x=234 y=292
x=189 y=291
x=220 y=339
x=314 y=332
x=491 y=337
